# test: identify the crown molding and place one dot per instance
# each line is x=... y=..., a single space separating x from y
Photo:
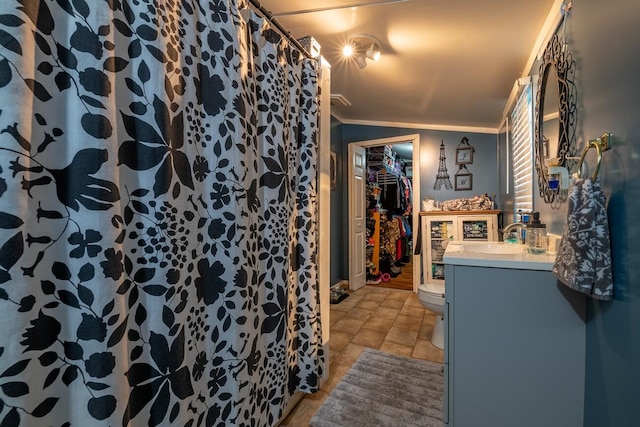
x=423 y=126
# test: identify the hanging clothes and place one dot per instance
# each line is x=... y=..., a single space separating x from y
x=407 y=196
x=389 y=234
x=402 y=244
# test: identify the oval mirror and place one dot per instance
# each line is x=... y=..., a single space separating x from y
x=555 y=116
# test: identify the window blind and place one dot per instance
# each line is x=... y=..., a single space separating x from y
x=521 y=130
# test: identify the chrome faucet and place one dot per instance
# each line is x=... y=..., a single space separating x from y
x=509 y=228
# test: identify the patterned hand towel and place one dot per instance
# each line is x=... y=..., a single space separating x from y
x=583 y=261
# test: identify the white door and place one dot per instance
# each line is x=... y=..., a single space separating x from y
x=357 y=219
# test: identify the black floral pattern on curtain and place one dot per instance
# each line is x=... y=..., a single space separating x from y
x=157 y=215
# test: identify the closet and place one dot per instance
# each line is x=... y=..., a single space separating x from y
x=389 y=214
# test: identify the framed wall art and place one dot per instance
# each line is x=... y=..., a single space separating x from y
x=463 y=179
x=464 y=152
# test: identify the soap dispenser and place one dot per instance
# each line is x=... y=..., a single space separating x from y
x=536 y=238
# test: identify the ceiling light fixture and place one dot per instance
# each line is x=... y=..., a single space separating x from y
x=362 y=47
x=361 y=61
x=373 y=52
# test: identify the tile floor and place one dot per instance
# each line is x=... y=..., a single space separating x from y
x=384 y=319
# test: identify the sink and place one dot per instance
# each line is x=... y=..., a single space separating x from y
x=495 y=248
x=496 y=255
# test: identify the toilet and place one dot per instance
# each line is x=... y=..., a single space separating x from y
x=431 y=295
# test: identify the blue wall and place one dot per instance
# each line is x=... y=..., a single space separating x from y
x=604 y=39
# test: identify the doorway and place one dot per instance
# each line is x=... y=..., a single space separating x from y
x=358 y=170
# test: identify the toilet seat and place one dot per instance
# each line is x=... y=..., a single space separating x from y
x=432 y=288
x=432 y=293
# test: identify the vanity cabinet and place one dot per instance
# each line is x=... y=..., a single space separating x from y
x=514 y=348
x=441 y=227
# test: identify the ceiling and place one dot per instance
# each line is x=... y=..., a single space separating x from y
x=445 y=64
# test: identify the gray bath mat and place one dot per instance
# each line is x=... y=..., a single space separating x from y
x=382 y=389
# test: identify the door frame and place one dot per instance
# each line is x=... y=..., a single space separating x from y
x=414 y=139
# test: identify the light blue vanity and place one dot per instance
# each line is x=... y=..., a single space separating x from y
x=514 y=350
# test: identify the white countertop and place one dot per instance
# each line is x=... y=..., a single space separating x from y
x=456 y=255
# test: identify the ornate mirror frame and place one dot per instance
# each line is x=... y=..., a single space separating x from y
x=556 y=55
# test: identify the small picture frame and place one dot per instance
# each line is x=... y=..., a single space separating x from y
x=333 y=170
x=464 y=155
x=464 y=181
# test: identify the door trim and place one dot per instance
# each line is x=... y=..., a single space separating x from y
x=415 y=187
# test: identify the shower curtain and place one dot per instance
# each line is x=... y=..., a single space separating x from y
x=157 y=215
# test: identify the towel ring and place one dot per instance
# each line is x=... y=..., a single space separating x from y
x=601 y=144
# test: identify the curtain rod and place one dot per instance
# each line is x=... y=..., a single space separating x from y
x=269 y=16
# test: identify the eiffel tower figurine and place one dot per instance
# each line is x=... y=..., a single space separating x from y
x=443 y=176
